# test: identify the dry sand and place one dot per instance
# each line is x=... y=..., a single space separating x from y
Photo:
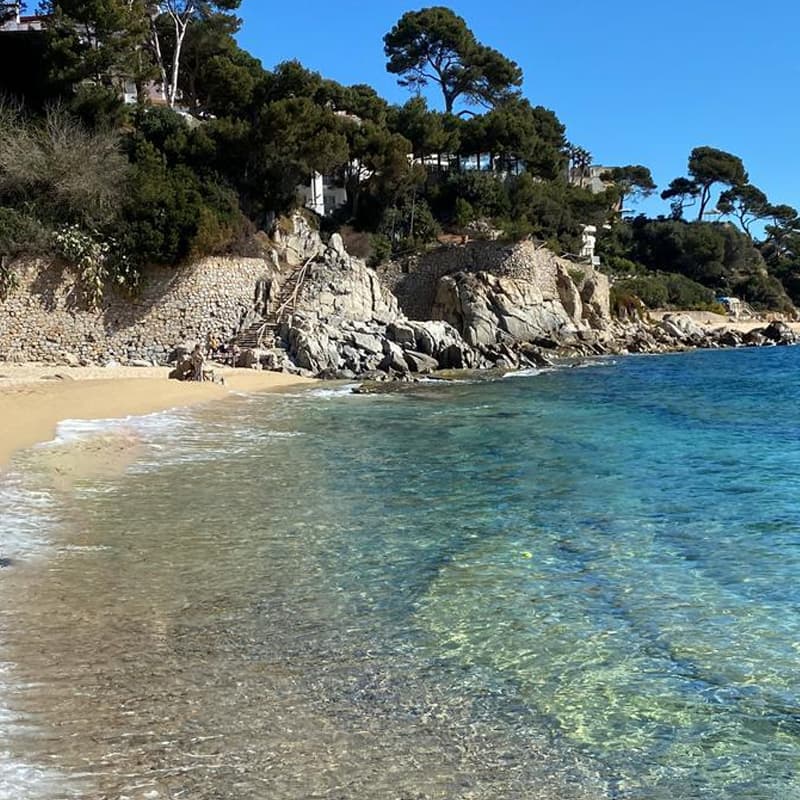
x=709 y=320
x=35 y=398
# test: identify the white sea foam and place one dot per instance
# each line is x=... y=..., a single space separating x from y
x=25 y=512
x=605 y=362
x=70 y=430
x=448 y=381
x=330 y=394
x=19 y=780
x=528 y=373
x=26 y=516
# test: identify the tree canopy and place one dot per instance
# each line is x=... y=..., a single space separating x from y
x=632 y=181
x=707 y=167
x=435 y=45
x=240 y=142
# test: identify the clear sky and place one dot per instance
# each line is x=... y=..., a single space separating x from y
x=635 y=82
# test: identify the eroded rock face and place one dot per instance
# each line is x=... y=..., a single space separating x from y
x=299 y=241
x=596 y=300
x=343 y=286
x=486 y=309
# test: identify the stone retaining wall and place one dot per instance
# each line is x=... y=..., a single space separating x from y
x=47 y=318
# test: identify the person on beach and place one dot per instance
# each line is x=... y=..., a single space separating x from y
x=197 y=359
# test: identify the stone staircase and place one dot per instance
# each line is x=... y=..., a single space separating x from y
x=265 y=329
x=256 y=335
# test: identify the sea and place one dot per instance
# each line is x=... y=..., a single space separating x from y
x=577 y=583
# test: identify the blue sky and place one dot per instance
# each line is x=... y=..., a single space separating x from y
x=633 y=81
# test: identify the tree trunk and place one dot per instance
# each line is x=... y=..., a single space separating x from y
x=181 y=24
x=704 y=198
x=159 y=57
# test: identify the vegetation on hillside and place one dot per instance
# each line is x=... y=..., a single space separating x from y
x=222 y=151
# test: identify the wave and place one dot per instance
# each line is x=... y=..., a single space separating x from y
x=332 y=393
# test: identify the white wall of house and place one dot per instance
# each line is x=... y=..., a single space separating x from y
x=17 y=22
x=322 y=196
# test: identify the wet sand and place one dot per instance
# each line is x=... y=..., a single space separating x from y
x=35 y=398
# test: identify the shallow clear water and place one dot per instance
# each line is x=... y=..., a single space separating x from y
x=582 y=583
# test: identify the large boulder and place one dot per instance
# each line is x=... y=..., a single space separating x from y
x=779 y=333
x=311 y=348
x=683 y=328
x=595 y=295
x=342 y=286
x=569 y=295
x=394 y=359
x=419 y=362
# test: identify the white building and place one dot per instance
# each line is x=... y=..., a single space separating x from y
x=19 y=23
x=323 y=195
x=589 y=178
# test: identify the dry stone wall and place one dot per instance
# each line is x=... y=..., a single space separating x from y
x=47 y=317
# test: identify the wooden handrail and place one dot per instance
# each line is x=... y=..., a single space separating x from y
x=292 y=299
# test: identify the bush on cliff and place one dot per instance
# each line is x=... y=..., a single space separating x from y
x=171 y=213
x=668 y=290
x=22 y=234
x=58 y=169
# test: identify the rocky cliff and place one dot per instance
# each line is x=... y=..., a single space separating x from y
x=485 y=305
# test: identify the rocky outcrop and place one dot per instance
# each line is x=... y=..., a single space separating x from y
x=347 y=348
x=487 y=310
x=578 y=287
x=348 y=324
x=680 y=332
x=339 y=285
x=297 y=240
x=682 y=328
x=488 y=306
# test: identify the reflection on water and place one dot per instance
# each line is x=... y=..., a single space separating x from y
x=580 y=584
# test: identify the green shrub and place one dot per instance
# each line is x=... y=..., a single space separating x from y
x=481 y=192
x=651 y=290
x=617 y=265
x=576 y=275
x=624 y=304
x=764 y=292
x=381 y=250
x=464 y=212
x=60 y=170
x=669 y=290
x=409 y=224
x=22 y=233
x=515 y=229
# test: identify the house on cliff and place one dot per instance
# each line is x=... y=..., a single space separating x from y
x=13 y=21
x=22 y=42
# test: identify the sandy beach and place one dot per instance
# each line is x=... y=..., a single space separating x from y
x=710 y=321
x=34 y=398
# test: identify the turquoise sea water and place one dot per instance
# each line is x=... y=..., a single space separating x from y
x=581 y=583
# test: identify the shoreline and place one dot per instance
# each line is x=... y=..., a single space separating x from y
x=35 y=398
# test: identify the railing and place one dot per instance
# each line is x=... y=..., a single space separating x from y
x=292 y=299
x=260 y=333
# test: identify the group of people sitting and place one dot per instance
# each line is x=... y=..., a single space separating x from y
x=193 y=366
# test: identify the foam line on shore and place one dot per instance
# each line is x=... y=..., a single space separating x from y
x=32 y=407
